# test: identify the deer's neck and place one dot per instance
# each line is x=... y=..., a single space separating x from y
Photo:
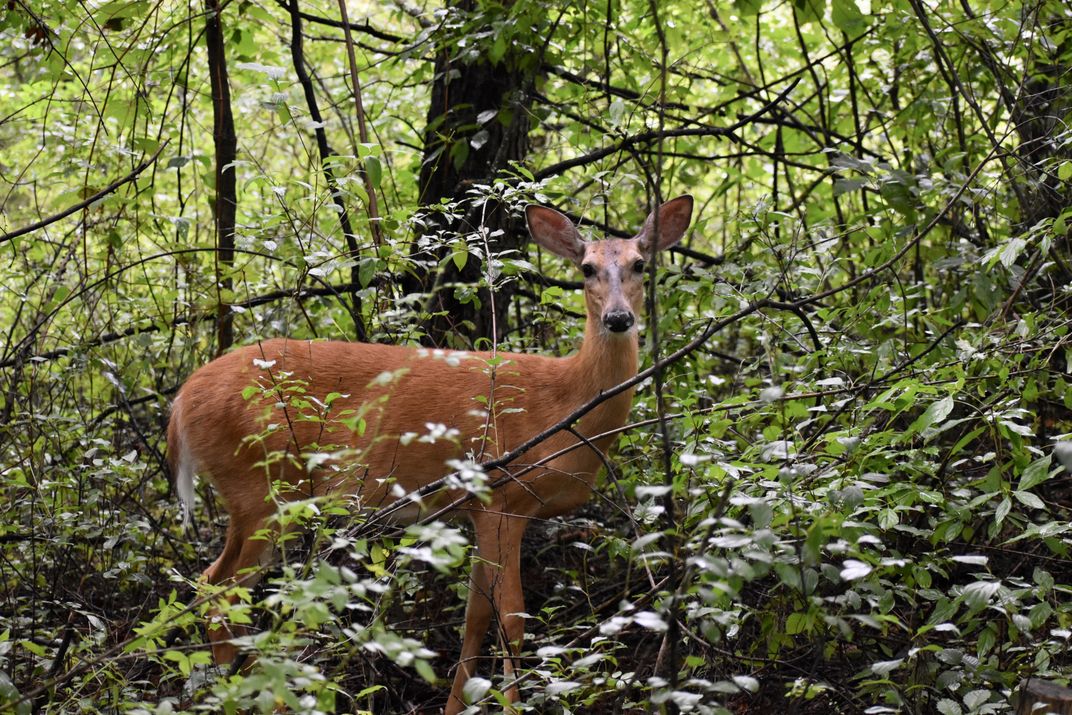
x=604 y=361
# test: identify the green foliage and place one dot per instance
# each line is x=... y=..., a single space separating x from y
x=865 y=507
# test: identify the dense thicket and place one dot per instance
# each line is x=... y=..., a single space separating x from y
x=862 y=505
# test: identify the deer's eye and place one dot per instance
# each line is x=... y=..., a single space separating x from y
x=638 y=266
x=588 y=270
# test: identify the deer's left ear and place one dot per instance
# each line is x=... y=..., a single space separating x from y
x=674 y=218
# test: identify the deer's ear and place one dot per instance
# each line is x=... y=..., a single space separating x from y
x=554 y=232
x=674 y=218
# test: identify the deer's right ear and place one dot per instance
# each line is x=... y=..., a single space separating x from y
x=555 y=232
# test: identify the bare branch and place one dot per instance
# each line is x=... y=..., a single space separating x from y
x=88 y=202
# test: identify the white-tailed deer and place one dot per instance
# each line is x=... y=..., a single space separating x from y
x=384 y=428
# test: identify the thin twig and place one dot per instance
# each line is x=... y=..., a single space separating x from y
x=362 y=128
x=110 y=188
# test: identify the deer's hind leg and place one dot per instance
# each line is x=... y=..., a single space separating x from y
x=241 y=552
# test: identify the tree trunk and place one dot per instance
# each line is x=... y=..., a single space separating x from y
x=1040 y=109
x=460 y=150
x=226 y=144
x=1038 y=696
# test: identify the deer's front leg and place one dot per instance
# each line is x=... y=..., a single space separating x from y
x=494 y=588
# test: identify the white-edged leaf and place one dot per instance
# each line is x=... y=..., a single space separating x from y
x=644 y=541
x=978 y=594
x=746 y=682
x=854 y=569
x=946 y=706
x=475 y=689
x=561 y=686
x=976 y=698
x=650 y=620
x=1003 y=510
x=1035 y=473
x=1029 y=500
x=885 y=667
x=934 y=414
x=1063 y=451
x=657 y=490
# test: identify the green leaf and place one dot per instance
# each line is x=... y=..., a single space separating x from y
x=244 y=42
x=370 y=690
x=497 y=49
x=977 y=595
x=809 y=10
x=123 y=8
x=796 y=623
x=374 y=169
x=460 y=254
x=935 y=414
x=847 y=16
x=1003 y=510
x=147 y=144
x=366 y=270
x=181 y=660
x=9 y=693
x=1035 y=473
x=459 y=152
x=525 y=172
x=748 y=8
x=552 y=295
x=1029 y=500
x=282 y=112
x=35 y=648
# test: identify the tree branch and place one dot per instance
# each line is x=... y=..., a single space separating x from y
x=366 y=28
x=88 y=202
x=644 y=137
x=225 y=142
x=298 y=57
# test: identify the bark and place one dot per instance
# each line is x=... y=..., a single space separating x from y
x=1041 y=696
x=1039 y=106
x=461 y=93
x=1042 y=108
x=226 y=144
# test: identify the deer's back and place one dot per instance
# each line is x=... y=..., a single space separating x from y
x=374 y=420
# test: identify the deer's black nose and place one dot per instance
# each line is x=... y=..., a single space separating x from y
x=618 y=321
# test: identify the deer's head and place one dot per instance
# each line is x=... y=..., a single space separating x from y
x=613 y=268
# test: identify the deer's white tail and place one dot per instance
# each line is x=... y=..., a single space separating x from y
x=182 y=463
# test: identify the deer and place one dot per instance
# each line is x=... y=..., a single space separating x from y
x=403 y=414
